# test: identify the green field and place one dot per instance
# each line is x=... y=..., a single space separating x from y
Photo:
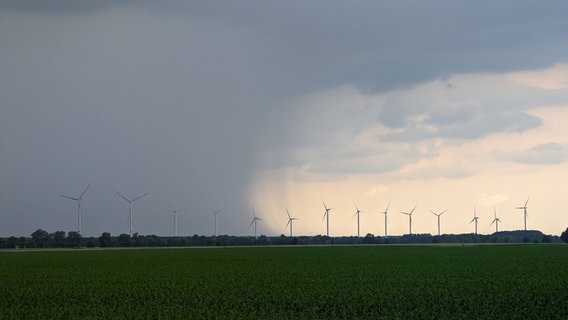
x=501 y=282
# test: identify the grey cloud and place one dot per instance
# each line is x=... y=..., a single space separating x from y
x=550 y=153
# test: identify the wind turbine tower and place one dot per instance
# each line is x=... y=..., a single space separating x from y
x=326 y=216
x=130 y=206
x=216 y=213
x=525 y=212
x=475 y=218
x=290 y=221
x=496 y=220
x=79 y=208
x=385 y=213
x=409 y=214
x=357 y=212
x=438 y=215
x=254 y=220
x=175 y=211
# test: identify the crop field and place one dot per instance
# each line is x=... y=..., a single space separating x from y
x=351 y=282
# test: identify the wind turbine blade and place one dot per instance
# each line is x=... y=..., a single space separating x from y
x=142 y=196
x=288 y=213
x=287 y=225
x=354 y=216
x=527 y=202
x=253 y=214
x=171 y=207
x=413 y=209
x=218 y=211
x=69 y=197
x=83 y=193
x=441 y=213
x=253 y=220
x=387 y=209
x=123 y=197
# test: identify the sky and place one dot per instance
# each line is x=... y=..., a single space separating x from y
x=209 y=105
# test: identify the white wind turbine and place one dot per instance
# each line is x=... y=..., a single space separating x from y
x=385 y=213
x=438 y=215
x=130 y=206
x=357 y=212
x=254 y=220
x=79 y=207
x=525 y=212
x=475 y=218
x=496 y=220
x=409 y=214
x=216 y=213
x=326 y=216
x=175 y=212
x=290 y=221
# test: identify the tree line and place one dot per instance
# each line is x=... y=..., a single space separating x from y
x=72 y=239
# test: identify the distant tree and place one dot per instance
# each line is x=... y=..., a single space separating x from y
x=40 y=238
x=74 y=239
x=546 y=238
x=124 y=240
x=564 y=235
x=369 y=238
x=105 y=240
x=12 y=242
x=59 y=238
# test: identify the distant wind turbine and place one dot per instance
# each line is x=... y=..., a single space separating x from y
x=290 y=221
x=475 y=218
x=326 y=216
x=438 y=215
x=409 y=214
x=175 y=211
x=525 y=212
x=216 y=213
x=130 y=206
x=496 y=220
x=79 y=208
x=357 y=212
x=385 y=213
x=254 y=220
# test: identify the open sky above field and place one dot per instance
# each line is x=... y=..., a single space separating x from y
x=214 y=105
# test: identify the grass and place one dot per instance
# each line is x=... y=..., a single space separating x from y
x=513 y=282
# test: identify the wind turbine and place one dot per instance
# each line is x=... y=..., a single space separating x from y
x=216 y=213
x=475 y=218
x=326 y=216
x=175 y=211
x=290 y=220
x=385 y=213
x=438 y=215
x=357 y=212
x=525 y=212
x=254 y=220
x=130 y=206
x=79 y=208
x=496 y=220
x=409 y=214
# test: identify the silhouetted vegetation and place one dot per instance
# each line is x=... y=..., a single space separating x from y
x=60 y=239
x=564 y=235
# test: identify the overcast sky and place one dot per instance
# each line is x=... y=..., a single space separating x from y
x=212 y=105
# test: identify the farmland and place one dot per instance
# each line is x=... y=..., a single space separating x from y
x=497 y=281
